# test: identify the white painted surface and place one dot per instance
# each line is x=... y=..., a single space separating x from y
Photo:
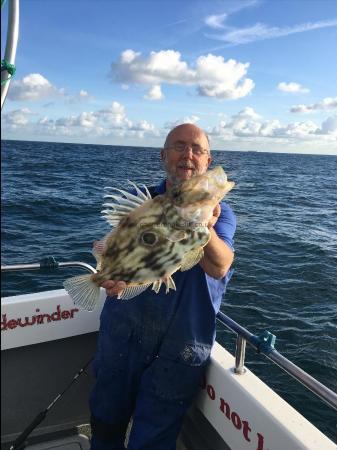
x=253 y=409
x=56 y=317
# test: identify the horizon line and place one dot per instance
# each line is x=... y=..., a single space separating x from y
x=157 y=148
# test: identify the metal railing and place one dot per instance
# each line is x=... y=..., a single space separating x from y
x=47 y=264
x=263 y=344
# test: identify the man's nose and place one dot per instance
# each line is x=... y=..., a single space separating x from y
x=188 y=152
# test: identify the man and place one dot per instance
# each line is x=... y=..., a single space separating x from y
x=153 y=349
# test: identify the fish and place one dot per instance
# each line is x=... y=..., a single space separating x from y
x=151 y=238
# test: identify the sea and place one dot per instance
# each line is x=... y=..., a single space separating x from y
x=285 y=268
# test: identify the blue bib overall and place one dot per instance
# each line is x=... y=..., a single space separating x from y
x=152 y=352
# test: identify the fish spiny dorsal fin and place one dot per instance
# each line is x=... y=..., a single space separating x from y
x=132 y=291
x=147 y=192
x=123 y=204
x=141 y=194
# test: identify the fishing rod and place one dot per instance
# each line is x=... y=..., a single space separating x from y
x=21 y=441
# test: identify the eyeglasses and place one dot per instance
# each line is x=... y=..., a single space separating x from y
x=180 y=147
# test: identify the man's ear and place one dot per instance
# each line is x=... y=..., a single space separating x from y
x=163 y=154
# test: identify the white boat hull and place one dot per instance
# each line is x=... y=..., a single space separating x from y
x=41 y=354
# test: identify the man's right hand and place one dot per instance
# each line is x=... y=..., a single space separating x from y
x=113 y=287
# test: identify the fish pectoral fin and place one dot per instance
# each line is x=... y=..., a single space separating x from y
x=132 y=291
x=84 y=292
x=169 y=283
x=156 y=286
x=177 y=235
x=191 y=259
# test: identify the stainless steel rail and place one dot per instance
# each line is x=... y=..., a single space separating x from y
x=325 y=394
x=11 y=44
x=45 y=265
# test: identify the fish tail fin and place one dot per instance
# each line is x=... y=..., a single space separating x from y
x=84 y=292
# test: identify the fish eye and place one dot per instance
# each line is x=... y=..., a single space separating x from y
x=149 y=238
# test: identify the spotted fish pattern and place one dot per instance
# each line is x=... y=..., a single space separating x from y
x=151 y=238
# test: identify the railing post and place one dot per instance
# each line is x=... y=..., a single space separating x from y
x=264 y=345
x=240 y=352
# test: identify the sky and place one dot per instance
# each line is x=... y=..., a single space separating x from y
x=256 y=75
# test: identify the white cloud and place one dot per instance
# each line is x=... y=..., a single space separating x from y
x=247 y=113
x=302 y=130
x=245 y=130
x=222 y=79
x=81 y=97
x=83 y=94
x=128 y=56
x=33 y=87
x=103 y=123
x=187 y=119
x=16 y=118
x=114 y=116
x=216 y=21
x=212 y=75
x=329 y=126
x=142 y=125
x=154 y=93
x=36 y=87
x=248 y=124
x=260 y=31
x=86 y=120
x=324 y=105
x=291 y=87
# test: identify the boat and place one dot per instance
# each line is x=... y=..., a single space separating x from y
x=46 y=350
x=46 y=340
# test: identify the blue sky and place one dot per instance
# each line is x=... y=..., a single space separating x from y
x=256 y=75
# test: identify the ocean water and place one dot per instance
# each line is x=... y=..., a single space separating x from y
x=285 y=278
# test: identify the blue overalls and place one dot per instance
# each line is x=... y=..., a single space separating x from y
x=152 y=352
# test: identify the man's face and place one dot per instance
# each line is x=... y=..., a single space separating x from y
x=182 y=165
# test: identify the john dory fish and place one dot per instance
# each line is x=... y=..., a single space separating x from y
x=152 y=238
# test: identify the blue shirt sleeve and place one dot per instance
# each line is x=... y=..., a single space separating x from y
x=226 y=225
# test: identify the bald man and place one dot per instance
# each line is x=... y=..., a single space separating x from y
x=153 y=350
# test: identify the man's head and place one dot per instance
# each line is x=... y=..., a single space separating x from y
x=186 y=153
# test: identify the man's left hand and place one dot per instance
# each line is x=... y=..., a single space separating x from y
x=216 y=213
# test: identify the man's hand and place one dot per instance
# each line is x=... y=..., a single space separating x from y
x=113 y=287
x=218 y=256
x=215 y=217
